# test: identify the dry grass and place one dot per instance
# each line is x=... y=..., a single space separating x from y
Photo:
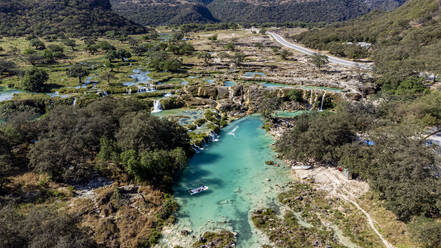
x=392 y=229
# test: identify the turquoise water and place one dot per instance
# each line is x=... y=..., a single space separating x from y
x=250 y=74
x=235 y=172
x=229 y=83
x=184 y=116
x=337 y=90
x=270 y=85
x=8 y=94
x=290 y=114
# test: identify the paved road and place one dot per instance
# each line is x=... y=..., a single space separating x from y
x=307 y=51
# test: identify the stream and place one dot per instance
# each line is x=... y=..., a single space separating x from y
x=238 y=182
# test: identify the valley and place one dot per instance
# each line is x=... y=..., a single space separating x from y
x=205 y=133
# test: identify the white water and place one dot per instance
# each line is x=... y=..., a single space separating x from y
x=323 y=99
x=157 y=107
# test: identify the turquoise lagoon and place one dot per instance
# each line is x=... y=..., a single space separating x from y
x=235 y=172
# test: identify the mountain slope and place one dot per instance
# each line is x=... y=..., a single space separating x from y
x=155 y=12
x=151 y=12
x=405 y=41
x=77 y=17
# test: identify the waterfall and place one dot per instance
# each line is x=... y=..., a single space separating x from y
x=323 y=100
x=105 y=93
x=74 y=102
x=157 y=107
x=213 y=136
x=310 y=101
x=231 y=92
x=129 y=91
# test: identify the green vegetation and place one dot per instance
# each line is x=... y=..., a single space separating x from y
x=287 y=231
x=319 y=60
x=219 y=239
x=20 y=230
x=76 y=18
x=35 y=80
x=180 y=12
x=404 y=42
x=397 y=166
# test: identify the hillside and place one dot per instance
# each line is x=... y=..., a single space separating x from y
x=153 y=12
x=405 y=41
x=77 y=17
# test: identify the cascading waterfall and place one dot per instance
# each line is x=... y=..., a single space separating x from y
x=129 y=91
x=231 y=93
x=310 y=101
x=157 y=107
x=323 y=100
x=213 y=136
x=74 y=102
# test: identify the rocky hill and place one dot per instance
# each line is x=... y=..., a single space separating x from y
x=155 y=12
x=76 y=17
x=404 y=41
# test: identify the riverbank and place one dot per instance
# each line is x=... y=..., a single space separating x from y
x=351 y=213
x=239 y=181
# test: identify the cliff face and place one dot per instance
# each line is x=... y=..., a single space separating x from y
x=76 y=17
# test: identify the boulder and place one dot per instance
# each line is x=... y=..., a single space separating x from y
x=222 y=92
x=207 y=92
x=353 y=96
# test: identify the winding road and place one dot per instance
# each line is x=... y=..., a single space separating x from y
x=307 y=51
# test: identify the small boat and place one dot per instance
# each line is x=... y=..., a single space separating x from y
x=197 y=190
x=302 y=167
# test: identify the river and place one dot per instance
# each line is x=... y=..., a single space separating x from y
x=238 y=180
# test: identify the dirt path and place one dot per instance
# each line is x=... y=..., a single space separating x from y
x=333 y=181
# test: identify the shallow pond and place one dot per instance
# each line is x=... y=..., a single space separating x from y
x=229 y=83
x=250 y=74
x=184 y=116
x=7 y=94
x=238 y=180
x=290 y=114
x=272 y=85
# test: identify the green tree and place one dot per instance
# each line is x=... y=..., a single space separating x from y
x=285 y=54
x=7 y=67
x=123 y=54
x=105 y=46
x=79 y=71
x=206 y=56
x=238 y=58
x=37 y=44
x=92 y=49
x=70 y=43
x=111 y=55
x=318 y=60
x=35 y=79
x=230 y=46
x=108 y=76
x=267 y=107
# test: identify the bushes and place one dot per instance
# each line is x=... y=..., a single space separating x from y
x=396 y=163
x=35 y=80
x=70 y=138
x=41 y=227
x=162 y=61
x=316 y=137
x=426 y=231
